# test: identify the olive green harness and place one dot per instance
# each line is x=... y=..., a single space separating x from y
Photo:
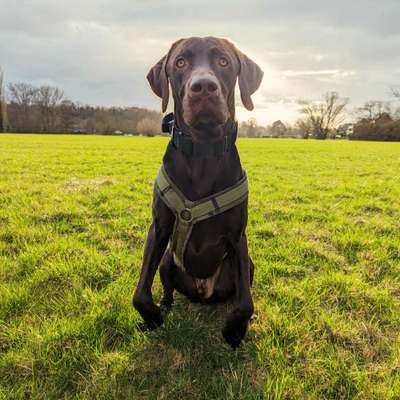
x=188 y=213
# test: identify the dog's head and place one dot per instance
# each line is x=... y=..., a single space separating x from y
x=203 y=73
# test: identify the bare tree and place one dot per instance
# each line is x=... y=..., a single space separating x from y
x=302 y=128
x=148 y=127
x=3 y=104
x=23 y=96
x=324 y=116
x=67 y=115
x=374 y=110
x=22 y=93
x=48 y=99
x=249 y=128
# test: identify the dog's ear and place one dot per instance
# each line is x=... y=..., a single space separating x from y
x=158 y=78
x=250 y=77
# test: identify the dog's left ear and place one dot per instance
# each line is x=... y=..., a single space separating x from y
x=158 y=78
x=250 y=77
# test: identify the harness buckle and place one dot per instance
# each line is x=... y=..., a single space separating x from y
x=186 y=215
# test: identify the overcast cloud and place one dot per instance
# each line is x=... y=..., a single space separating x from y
x=100 y=51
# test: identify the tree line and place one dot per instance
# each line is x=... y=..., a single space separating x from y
x=46 y=109
x=378 y=120
x=375 y=120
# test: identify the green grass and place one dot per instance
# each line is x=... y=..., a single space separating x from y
x=324 y=232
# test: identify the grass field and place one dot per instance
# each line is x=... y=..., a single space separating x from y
x=324 y=232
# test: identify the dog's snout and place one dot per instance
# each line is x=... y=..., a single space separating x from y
x=203 y=86
x=204 y=101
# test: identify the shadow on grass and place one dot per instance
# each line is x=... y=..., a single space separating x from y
x=188 y=356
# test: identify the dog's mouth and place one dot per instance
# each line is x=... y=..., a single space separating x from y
x=205 y=112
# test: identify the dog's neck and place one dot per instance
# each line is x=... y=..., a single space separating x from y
x=198 y=177
x=213 y=131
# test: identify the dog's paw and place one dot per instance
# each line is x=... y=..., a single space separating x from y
x=154 y=320
x=234 y=332
x=150 y=313
x=166 y=302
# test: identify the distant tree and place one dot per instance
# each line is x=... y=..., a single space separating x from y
x=252 y=127
x=22 y=97
x=249 y=128
x=67 y=116
x=324 y=116
x=278 y=128
x=22 y=93
x=3 y=105
x=396 y=95
x=302 y=128
x=148 y=127
x=48 y=99
x=377 y=121
x=243 y=128
x=374 y=110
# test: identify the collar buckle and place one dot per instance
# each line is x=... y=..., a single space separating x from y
x=167 y=124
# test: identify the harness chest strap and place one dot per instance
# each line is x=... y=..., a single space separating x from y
x=187 y=213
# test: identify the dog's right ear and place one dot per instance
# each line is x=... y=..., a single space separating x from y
x=158 y=78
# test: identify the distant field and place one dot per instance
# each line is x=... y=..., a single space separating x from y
x=324 y=232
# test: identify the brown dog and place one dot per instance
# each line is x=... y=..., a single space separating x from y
x=203 y=74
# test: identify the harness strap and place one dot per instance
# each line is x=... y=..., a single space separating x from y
x=187 y=213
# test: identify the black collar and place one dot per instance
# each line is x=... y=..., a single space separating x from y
x=185 y=144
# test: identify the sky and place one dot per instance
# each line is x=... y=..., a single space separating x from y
x=100 y=51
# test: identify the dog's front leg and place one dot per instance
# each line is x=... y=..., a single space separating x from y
x=156 y=244
x=238 y=320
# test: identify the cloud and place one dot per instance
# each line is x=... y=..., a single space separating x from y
x=100 y=51
x=320 y=73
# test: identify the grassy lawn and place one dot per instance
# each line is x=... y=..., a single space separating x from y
x=324 y=233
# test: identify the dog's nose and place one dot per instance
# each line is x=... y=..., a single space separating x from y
x=203 y=87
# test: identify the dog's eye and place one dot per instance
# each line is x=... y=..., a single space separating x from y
x=180 y=62
x=223 y=62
